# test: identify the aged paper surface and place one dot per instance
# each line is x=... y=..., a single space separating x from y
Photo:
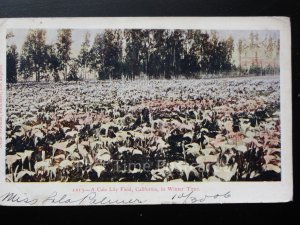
x=114 y=111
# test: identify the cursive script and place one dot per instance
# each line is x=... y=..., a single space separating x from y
x=94 y=198
x=15 y=198
x=64 y=199
x=90 y=199
x=190 y=198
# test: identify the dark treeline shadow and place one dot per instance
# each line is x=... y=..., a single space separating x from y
x=141 y=53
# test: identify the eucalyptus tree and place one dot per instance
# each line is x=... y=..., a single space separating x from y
x=63 y=45
x=12 y=61
x=33 y=59
x=84 y=57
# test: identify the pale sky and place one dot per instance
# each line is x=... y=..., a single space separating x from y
x=78 y=36
x=244 y=34
x=51 y=35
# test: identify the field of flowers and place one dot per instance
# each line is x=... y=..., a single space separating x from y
x=144 y=130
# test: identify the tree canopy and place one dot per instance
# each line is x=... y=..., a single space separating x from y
x=131 y=53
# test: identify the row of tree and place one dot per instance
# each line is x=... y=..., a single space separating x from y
x=259 y=55
x=121 y=53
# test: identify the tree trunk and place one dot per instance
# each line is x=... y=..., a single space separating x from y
x=240 y=59
x=65 y=73
x=38 y=76
x=146 y=69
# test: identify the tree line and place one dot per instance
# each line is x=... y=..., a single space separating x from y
x=116 y=54
x=257 y=48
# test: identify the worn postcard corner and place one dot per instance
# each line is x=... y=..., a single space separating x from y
x=128 y=111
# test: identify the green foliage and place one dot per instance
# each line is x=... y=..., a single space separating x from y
x=84 y=57
x=39 y=58
x=254 y=69
x=96 y=53
x=11 y=64
x=111 y=55
x=154 y=53
x=73 y=72
x=159 y=53
x=63 y=45
x=132 y=61
x=34 y=54
x=53 y=62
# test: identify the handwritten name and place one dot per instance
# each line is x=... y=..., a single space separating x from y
x=15 y=198
x=64 y=199
x=93 y=198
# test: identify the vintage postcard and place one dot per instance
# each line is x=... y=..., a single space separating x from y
x=127 y=111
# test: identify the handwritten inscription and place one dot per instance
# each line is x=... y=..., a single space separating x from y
x=94 y=198
x=190 y=198
x=64 y=199
x=15 y=198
